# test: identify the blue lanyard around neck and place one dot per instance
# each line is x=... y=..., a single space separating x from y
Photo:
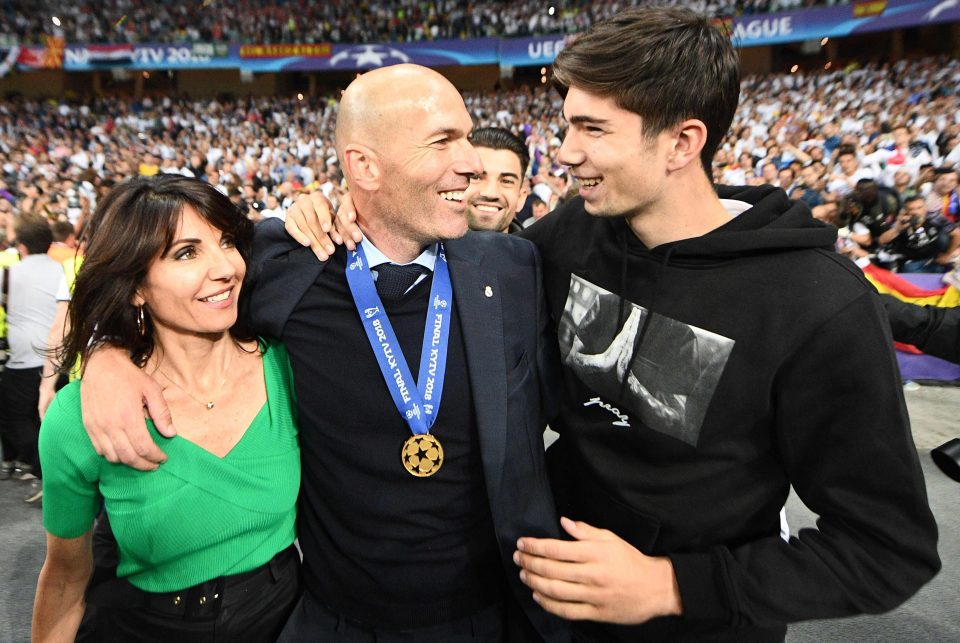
x=418 y=405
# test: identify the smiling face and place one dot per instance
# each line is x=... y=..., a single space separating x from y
x=192 y=288
x=620 y=171
x=495 y=195
x=428 y=165
x=402 y=135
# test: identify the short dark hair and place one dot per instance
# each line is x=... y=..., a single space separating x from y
x=912 y=198
x=61 y=230
x=498 y=138
x=664 y=64
x=131 y=227
x=846 y=150
x=34 y=233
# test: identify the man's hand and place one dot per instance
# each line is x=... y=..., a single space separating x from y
x=597 y=577
x=113 y=392
x=311 y=223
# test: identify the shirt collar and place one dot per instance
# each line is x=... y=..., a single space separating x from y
x=427 y=258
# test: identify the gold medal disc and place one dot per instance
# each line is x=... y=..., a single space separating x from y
x=422 y=455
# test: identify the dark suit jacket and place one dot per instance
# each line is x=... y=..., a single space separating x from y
x=512 y=364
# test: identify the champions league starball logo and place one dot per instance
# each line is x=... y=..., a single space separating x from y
x=422 y=455
x=369 y=56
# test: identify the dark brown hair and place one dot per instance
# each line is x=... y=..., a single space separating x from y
x=34 y=233
x=497 y=138
x=134 y=225
x=664 y=64
x=61 y=230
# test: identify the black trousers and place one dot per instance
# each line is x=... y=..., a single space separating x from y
x=247 y=608
x=7 y=446
x=313 y=621
x=19 y=397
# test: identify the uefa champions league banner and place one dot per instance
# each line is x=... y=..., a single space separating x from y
x=835 y=22
x=432 y=53
x=526 y=52
x=279 y=57
x=775 y=29
x=747 y=31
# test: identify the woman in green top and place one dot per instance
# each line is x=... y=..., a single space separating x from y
x=205 y=541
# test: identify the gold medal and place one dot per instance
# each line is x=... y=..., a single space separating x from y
x=422 y=455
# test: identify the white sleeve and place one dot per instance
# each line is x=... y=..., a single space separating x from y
x=954 y=156
x=63 y=290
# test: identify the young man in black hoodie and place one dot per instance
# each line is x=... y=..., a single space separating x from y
x=711 y=361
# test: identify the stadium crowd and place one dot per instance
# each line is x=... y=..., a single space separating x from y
x=246 y=21
x=856 y=144
x=860 y=145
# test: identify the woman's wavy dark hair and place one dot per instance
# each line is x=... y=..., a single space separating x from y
x=133 y=226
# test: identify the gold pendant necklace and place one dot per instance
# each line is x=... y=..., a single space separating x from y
x=209 y=405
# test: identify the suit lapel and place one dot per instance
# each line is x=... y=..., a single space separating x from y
x=479 y=307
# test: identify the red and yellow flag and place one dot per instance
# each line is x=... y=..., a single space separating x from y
x=893 y=284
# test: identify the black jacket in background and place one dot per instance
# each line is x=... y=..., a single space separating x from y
x=766 y=362
x=934 y=330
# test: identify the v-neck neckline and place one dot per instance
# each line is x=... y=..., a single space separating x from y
x=253 y=422
x=251 y=425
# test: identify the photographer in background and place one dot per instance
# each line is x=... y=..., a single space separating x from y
x=866 y=211
x=916 y=238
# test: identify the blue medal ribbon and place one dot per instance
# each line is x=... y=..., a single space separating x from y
x=418 y=405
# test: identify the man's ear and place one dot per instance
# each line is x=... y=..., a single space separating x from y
x=362 y=166
x=688 y=140
x=524 y=193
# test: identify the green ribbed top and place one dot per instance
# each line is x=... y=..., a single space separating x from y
x=198 y=516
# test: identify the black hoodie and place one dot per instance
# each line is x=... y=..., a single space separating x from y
x=766 y=362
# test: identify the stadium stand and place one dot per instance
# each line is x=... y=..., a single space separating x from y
x=245 y=21
x=798 y=122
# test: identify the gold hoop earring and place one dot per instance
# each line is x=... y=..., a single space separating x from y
x=141 y=324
